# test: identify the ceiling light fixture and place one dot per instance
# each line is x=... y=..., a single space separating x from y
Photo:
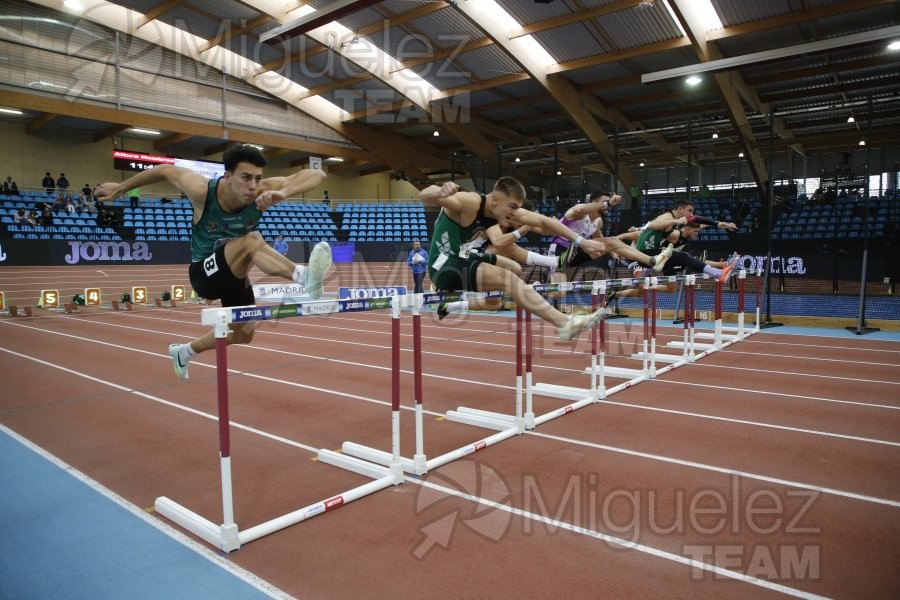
x=733 y=62
x=518 y=159
x=740 y=155
x=642 y=163
x=559 y=172
x=862 y=142
x=11 y=111
x=850 y=119
x=143 y=131
x=335 y=159
x=894 y=45
x=715 y=136
x=436 y=133
x=693 y=80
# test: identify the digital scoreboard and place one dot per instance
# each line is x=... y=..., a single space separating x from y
x=125 y=160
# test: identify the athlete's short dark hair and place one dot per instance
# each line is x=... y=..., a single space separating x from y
x=243 y=153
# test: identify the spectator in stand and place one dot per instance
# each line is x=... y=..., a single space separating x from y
x=62 y=183
x=32 y=218
x=46 y=218
x=90 y=204
x=135 y=196
x=86 y=192
x=48 y=183
x=20 y=218
x=281 y=246
x=59 y=203
x=10 y=188
x=70 y=204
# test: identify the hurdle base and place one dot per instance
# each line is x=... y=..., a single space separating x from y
x=383 y=458
x=13 y=310
x=696 y=346
x=28 y=311
x=658 y=357
x=486 y=419
x=224 y=537
x=351 y=463
x=618 y=372
x=563 y=392
x=70 y=308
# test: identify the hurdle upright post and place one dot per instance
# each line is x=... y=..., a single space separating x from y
x=598 y=302
x=419 y=459
x=742 y=288
x=691 y=315
x=529 y=353
x=654 y=281
x=229 y=529
x=520 y=317
x=719 y=292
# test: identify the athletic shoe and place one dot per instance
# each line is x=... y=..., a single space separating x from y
x=578 y=323
x=702 y=257
x=181 y=366
x=442 y=311
x=729 y=269
x=319 y=263
x=659 y=261
x=611 y=294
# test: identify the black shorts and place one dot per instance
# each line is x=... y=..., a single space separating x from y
x=212 y=279
x=459 y=274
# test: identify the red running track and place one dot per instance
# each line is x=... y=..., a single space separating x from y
x=774 y=460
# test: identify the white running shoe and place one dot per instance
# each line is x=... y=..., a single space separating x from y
x=318 y=266
x=181 y=366
x=578 y=323
x=660 y=259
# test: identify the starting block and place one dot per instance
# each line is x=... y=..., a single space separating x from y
x=116 y=305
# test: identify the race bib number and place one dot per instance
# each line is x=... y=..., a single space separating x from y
x=210 y=266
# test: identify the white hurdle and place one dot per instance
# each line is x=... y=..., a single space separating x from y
x=420 y=463
x=227 y=536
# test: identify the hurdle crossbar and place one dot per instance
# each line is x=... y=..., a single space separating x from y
x=227 y=536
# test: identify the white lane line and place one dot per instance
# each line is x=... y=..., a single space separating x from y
x=755 y=340
x=276 y=351
x=752 y=423
x=643 y=548
x=723 y=470
x=813 y=358
x=794 y=374
x=212 y=556
x=522 y=513
x=506 y=387
x=792 y=396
